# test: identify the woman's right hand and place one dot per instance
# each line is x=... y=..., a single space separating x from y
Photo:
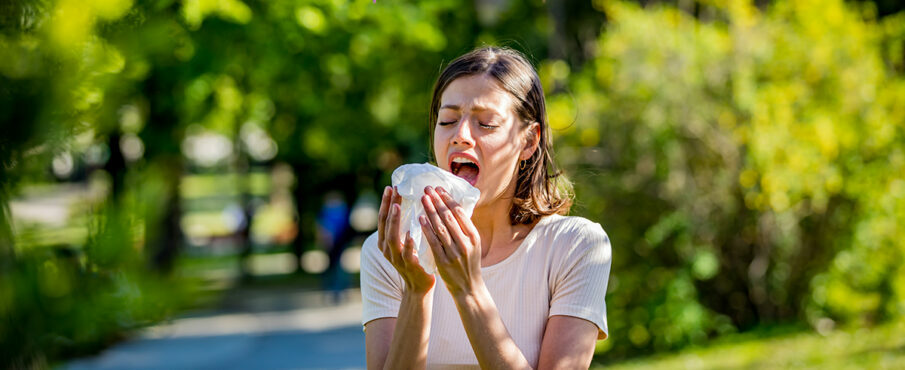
x=401 y=253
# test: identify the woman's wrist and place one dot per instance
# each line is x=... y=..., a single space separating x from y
x=408 y=347
x=418 y=293
x=472 y=297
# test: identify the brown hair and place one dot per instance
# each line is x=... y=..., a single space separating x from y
x=540 y=188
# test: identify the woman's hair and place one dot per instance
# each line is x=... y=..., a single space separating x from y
x=540 y=188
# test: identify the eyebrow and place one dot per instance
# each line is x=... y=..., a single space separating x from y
x=476 y=108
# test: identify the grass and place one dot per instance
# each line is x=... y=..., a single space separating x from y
x=881 y=347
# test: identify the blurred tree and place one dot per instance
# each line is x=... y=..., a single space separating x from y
x=746 y=156
x=312 y=74
x=323 y=87
x=63 y=82
x=747 y=165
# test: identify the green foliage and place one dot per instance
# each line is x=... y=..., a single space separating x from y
x=875 y=348
x=341 y=87
x=748 y=164
x=62 y=301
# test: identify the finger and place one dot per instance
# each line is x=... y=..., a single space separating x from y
x=408 y=252
x=393 y=236
x=434 y=243
x=437 y=224
x=396 y=202
x=460 y=241
x=468 y=227
x=397 y=199
x=382 y=218
x=464 y=222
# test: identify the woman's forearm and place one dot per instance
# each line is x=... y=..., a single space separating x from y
x=492 y=344
x=408 y=349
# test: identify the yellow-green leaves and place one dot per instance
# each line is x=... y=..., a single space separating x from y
x=749 y=146
x=194 y=11
x=311 y=18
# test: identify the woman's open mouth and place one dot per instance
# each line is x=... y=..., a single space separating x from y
x=464 y=167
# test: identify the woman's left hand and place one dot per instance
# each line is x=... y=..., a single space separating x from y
x=454 y=241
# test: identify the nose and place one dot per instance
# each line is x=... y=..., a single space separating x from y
x=462 y=136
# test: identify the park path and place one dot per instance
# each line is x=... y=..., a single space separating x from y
x=271 y=330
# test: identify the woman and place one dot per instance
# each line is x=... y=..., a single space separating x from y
x=521 y=286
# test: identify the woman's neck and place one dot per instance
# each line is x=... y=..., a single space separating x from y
x=494 y=226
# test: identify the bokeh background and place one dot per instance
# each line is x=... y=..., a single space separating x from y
x=747 y=159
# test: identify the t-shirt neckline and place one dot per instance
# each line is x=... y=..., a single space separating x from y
x=522 y=246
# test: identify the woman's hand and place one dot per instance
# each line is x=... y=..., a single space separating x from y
x=454 y=241
x=401 y=254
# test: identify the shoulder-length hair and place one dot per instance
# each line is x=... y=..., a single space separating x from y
x=541 y=189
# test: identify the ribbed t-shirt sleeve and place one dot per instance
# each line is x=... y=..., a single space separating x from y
x=381 y=285
x=580 y=282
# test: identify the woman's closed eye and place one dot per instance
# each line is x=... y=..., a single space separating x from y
x=484 y=125
x=488 y=125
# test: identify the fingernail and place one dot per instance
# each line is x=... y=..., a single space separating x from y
x=441 y=189
x=423 y=220
x=386 y=190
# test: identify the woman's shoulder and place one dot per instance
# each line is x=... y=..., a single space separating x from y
x=375 y=266
x=369 y=249
x=574 y=226
x=576 y=232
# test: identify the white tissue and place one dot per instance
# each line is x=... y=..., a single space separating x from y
x=410 y=181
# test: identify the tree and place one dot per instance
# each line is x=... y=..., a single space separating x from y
x=744 y=164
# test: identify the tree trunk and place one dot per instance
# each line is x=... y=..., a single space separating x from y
x=164 y=249
x=7 y=251
x=116 y=167
x=244 y=233
x=301 y=195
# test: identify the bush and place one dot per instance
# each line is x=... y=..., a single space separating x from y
x=61 y=301
x=748 y=165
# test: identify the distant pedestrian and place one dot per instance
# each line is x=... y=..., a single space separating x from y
x=333 y=234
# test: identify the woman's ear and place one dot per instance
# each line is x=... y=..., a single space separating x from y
x=532 y=139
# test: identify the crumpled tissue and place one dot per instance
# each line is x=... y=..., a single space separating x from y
x=410 y=181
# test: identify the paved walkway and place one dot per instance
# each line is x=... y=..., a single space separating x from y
x=261 y=333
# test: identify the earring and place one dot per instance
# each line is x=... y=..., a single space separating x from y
x=522 y=165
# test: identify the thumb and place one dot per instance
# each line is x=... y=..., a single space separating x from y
x=408 y=251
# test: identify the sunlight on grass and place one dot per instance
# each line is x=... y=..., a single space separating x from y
x=881 y=347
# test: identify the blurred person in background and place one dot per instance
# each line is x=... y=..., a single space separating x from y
x=333 y=233
x=521 y=284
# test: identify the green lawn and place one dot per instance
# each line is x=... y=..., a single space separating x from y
x=880 y=347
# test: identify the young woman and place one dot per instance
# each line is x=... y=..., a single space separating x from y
x=521 y=286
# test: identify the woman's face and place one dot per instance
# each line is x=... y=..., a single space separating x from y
x=479 y=137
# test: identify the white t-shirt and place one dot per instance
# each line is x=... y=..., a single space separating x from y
x=561 y=268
